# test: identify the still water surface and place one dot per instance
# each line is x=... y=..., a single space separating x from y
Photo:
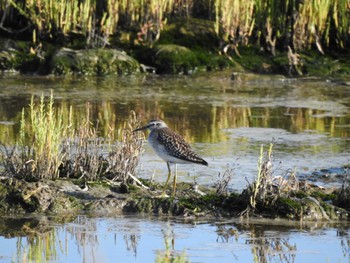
x=139 y=239
x=226 y=122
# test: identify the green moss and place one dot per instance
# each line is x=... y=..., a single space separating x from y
x=153 y=205
x=212 y=203
x=191 y=33
x=300 y=194
x=132 y=188
x=252 y=59
x=286 y=207
x=324 y=196
x=289 y=202
x=174 y=59
x=92 y=62
x=3 y=201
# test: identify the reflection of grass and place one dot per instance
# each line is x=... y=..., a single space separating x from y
x=273 y=249
x=168 y=256
x=49 y=146
x=38 y=246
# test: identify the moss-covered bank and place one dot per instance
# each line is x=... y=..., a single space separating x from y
x=66 y=197
x=184 y=47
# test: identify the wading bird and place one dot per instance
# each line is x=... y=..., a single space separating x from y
x=171 y=147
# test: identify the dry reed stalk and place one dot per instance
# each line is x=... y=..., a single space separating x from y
x=50 y=147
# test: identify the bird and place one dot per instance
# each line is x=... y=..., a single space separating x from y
x=171 y=147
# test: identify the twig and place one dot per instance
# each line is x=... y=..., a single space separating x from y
x=137 y=181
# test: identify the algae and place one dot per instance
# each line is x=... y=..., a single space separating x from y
x=64 y=196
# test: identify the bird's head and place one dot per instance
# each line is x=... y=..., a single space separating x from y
x=153 y=125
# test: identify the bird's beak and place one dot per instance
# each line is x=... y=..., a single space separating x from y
x=141 y=129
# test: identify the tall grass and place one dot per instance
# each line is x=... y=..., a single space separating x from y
x=234 y=19
x=259 y=189
x=97 y=20
x=298 y=24
x=270 y=23
x=150 y=16
x=268 y=187
x=50 y=146
x=40 y=141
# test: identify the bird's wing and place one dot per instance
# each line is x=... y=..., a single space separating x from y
x=178 y=147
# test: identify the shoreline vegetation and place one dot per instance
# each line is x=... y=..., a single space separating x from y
x=293 y=38
x=58 y=167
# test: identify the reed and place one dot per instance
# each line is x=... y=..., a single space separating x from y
x=300 y=25
x=51 y=146
x=223 y=181
x=271 y=23
x=259 y=188
x=96 y=20
x=268 y=187
x=82 y=151
x=124 y=155
x=343 y=194
x=235 y=20
x=40 y=141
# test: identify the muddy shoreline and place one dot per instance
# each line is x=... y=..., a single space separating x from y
x=62 y=197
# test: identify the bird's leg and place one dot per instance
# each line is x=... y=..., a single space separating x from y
x=167 y=180
x=174 y=183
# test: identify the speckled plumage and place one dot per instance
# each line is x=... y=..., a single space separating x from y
x=170 y=146
x=174 y=146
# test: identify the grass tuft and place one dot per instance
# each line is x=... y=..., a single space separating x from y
x=268 y=188
x=50 y=148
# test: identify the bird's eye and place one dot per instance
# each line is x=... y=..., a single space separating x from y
x=158 y=124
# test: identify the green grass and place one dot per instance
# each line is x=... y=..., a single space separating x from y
x=51 y=146
x=269 y=23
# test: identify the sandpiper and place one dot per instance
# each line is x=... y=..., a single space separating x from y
x=171 y=147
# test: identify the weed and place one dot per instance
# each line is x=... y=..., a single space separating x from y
x=270 y=23
x=343 y=196
x=37 y=153
x=259 y=187
x=124 y=155
x=49 y=148
x=223 y=181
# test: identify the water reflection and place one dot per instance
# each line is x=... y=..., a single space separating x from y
x=134 y=239
x=35 y=240
x=224 y=120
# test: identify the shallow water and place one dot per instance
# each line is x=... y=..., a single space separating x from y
x=226 y=122
x=139 y=239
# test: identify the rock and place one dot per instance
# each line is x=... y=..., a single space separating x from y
x=33 y=197
x=99 y=61
x=174 y=59
x=16 y=57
